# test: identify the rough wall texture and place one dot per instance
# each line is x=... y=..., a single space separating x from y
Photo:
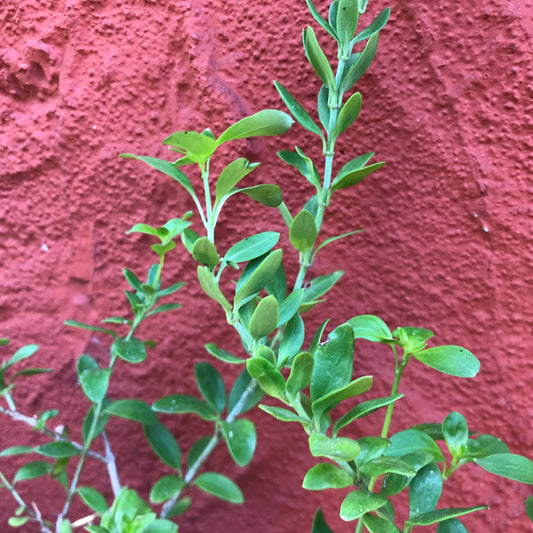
x=447 y=104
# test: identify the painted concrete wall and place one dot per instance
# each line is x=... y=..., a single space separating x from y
x=448 y=245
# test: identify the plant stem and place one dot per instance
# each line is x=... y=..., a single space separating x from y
x=211 y=445
x=111 y=466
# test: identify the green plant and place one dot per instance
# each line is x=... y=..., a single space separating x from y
x=267 y=313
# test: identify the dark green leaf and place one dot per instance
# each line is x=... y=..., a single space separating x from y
x=452 y=360
x=198 y=448
x=317 y=58
x=326 y=476
x=266 y=122
x=455 y=431
x=338 y=448
x=432 y=429
x=136 y=410
x=29 y=372
x=93 y=499
x=132 y=279
x=165 y=488
x=205 y=253
x=81 y=325
x=347 y=19
x=180 y=507
x=359 y=502
x=440 y=515
x=293 y=338
x=303 y=164
x=348 y=114
x=508 y=465
x=211 y=385
x=221 y=354
x=237 y=391
x=383 y=465
x=231 y=175
x=219 y=486
x=425 y=490
x=241 y=440
x=333 y=239
x=318 y=287
x=289 y=306
x=297 y=111
x=361 y=65
x=451 y=525
x=315 y=341
x=284 y=415
x=163 y=309
x=32 y=470
x=164 y=444
x=322 y=21
x=301 y=372
x=181 y=403
x=58 y=449
x=95 y=383
x=352 y=178
x=377 y=24
x=100 y=425
x=333 y=366
x=363 y=409
x=252 y=247
x=529 y=508
x=269 y=378
x=166 y=168
x=265 y=317
x=323 y=108
x=172 y=289
x=411 y=441
x=371 y=448
x=303 y=231
x=266 y=194
x=132 y=350
x=376 y=524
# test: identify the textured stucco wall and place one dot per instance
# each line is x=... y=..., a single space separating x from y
x=447 y=103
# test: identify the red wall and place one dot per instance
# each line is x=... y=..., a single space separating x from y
x=447 y=103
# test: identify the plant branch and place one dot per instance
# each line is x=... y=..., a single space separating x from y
x=111 y=466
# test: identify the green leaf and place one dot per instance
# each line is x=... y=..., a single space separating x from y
x=252 y=247
x=29 y=372
x=455 y=431
x=317 y=287
x=347 y=19
x=278 y=285
x=333 y=366
x=180 y=507
x=181 y=403
x=18 y=521
x=326 y=476
x=303 y=164
x=241 y=440
x=315 y=341
x=361 y=64
x=425 y=490
x=32 y=470
x=364 y=409
x=432 y=429
x=319 y=524
x=508 y=465
x=412 y=339
x=348 y=114
x=219 y=486
x=221 y=354
x=317 y=58
x=132 y=279
x=269 y=378
x=165 y=488
x=451 y=525
x=359 y=502
x=338 y=448
x=322 y=21
x=95 y=383
x=301 y=372
x=293 y=338
x=411 y=441
x=322 y=106
x=393 y=483
x=297 y=111
x=371 y=448
x=163 y=309
x=266 y=194
x=333 y=239
x=204 y=252
x=327 y=402
x=284 y=415
x=211 y=385
x=265 y=317
x=93 y=499
x=376 y=524
x=209 y=286
x=258 y=280
x=136 y=410
x=529 y=509
x=164 y=444
x=354 y=177
x=452 y=360
x=231 y=175
x=21 y=354
x=81 y=325
x=17 y=450
x=100 y=424
x=289 y=306
x=240 y=385
x=377 y=24
x=132 y=350
x=265 y=122
x=166 y=168
x=440 y=515
x=303 y=231
x=384 y=465
x=188 y=238
x=197 y=449
x=58 y=449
